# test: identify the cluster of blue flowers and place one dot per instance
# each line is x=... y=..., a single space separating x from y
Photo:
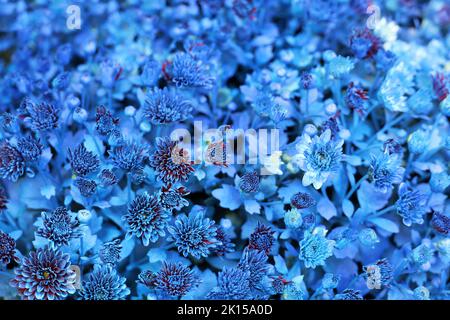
x=99 y=202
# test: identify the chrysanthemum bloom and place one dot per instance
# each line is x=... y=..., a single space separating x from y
x=147 y=278
x=104 y=283
x=186 y=71
x=105 y=122
x=293 y=219
x=172 y=199
x=441 y=223
x=364 y=43
x=293 y=291
x=109 y=253
x=233 y=284
x=175 y=279
x=87 y=187
x=108 y=178
x=307 y=80
x=30 y=148
x=163 y=106
x=368 y=237
x=7 y=249
x=128 y=156
x=44 y=116
x=302 y=200
x=59 y=227
x=385 y=171
x=83 y=162
x=146 y=219
x=423 y=254
x=45 y=275
x=355 y=98
x=255 y=262
x=249 y=182
x=330 y=280
x=410 y=205
x=378 y=274
x=195 y=235
x=332 y=125
x=439 y=86
x=391 y=146
x=319 y=157
x=262 y=238
x=315 y=248
x=12 y=163
x=170 y=162
x=349 y=294
x=278 y=284
x=421 y=293
x=225 y=246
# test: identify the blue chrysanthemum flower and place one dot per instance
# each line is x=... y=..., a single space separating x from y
x=164 y=106
x=262 y=238
x=194 y=234
x=83 y=162
x=441 y=223
x=104 y=283
x=147 y=278
x=423 y=254
x=106 y=124
x=294 y=291
x=44 y=116
x=128 y=156
x=315 y=248
x=385 y=171
x=225 y=246
x=172 y=199
x=59 y=227
x=255 y=262
x=170 y=162
x=249 y=182
x=330 y=280
x=108 y=178
x=146 y=219
x=410 y=205
x=349 y=294
x=293 y=219
x=302 y=200
x=421 y=293
x=355 y=98
x=30 y=148
x=378 y=274
x=175 y=279
x=186 y=71
x=418 y=141
x=12 y=163
x=233 y=284
x=319 y=157
x=45 y=275
x=7 y=249
x=86 y=187
x=109 y=253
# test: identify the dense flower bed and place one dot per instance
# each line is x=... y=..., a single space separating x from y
x=99 y=199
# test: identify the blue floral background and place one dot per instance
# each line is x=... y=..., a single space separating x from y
x=98 y=202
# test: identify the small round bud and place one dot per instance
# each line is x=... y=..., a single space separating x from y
x=130 y=111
